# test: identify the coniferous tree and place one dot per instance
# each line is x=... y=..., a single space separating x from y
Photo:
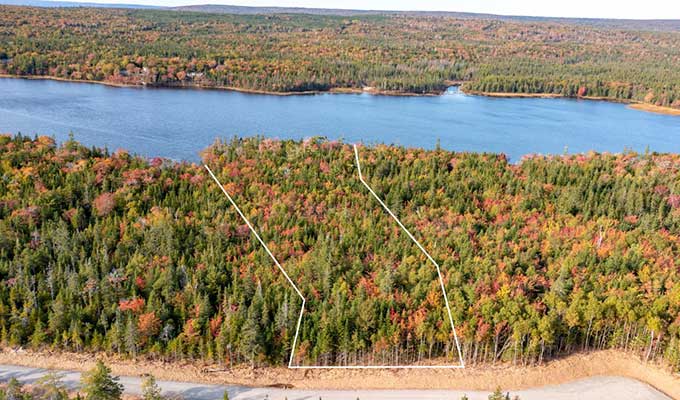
x=99 y=384
x=150 y=389
x=50 y=387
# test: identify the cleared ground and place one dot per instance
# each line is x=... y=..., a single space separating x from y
x=605 y=387
x=483 y=378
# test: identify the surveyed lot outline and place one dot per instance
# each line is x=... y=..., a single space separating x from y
x=304 y=301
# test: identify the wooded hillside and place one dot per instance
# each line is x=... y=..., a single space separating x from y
x=297 y=53
x=146 y=258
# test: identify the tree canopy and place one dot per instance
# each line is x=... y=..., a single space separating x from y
x=390 y=53
x=145 y=257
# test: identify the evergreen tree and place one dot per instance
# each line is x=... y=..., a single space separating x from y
x=497 y=395
x=50 y=387
x=131 y=336
x=15 y=390
x=150 y=389
x=98 y=384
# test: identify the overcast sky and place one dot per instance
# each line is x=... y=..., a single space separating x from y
x=636 y=9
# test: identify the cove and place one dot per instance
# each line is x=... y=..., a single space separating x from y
x=179 y=123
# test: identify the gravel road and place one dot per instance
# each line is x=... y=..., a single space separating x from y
x=596 y=388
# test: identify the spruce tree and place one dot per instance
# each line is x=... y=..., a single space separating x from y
x=50 y=387
x=150 y=389
x=98 y=384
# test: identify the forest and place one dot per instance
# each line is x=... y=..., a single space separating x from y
x=111 y=252
x=397 y=54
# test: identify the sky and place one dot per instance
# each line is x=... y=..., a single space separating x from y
x=629 y=9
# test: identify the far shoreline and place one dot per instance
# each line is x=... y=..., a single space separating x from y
x=337 y=90
x=654 y=109
x=634 y=105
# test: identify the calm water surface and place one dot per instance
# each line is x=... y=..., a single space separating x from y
x=179 y=123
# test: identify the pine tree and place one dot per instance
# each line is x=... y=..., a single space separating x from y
x=39 y=335
x=497 y=395
x=150 y=389
x=50 y=387
x=14 y=390
x=131 y=337
x=98 y=384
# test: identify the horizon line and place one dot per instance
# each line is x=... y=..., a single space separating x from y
x=141 y=4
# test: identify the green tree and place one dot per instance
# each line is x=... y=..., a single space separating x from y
x=131 y=337
x=39 y=335
x=498 y=395
x=15 y=390
x=150 y=389
x=98 y=384
x=50 y=387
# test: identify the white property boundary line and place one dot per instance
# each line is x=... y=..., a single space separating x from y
x=439 y=272
x=302 y=309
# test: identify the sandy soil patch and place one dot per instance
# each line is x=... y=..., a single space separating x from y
x=655 y=109
x=484 y=377
x=595 y=388
x=515 y=95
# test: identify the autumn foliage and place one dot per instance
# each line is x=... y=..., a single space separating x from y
x=540 y=258
x=136 y=305
x=633 y=61
x=104 y=204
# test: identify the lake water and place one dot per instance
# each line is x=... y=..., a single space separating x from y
x=179 y=123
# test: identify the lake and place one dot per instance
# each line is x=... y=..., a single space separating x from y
x=178 y=123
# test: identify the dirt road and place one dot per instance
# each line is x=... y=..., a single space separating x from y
x=605 y=387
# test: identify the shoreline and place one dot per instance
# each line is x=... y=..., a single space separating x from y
x=481 y=377
x=337 y=90
x=652 y=108
x=633 y=105
x=504 y=95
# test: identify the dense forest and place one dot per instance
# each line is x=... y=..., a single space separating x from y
x=146 y=258
x=297 y=53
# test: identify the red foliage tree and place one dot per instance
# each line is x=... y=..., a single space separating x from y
x=135 y=305
x=148 y=324
x=104 y=204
